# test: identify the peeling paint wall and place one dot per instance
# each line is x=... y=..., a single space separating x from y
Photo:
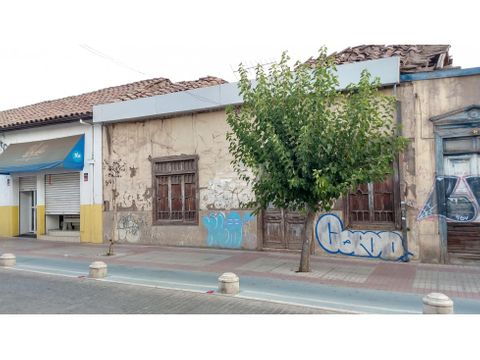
x=225 y=194
x=128 y=193
x=420 y=100
x=128 y=189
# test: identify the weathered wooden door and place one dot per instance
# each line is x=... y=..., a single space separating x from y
x=283 y=229
x=462 y=210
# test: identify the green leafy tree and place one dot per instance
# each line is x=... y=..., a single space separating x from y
x=300 y=143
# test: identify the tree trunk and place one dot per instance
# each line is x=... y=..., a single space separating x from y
x=307 y=241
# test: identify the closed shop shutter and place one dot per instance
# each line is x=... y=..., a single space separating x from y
x=28 y=183
x=62 y=194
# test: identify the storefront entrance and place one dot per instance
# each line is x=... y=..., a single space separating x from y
x=28 y=213
x=28 y=205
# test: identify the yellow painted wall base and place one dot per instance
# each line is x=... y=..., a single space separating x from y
x=91 y=223
x=9 y=221
x=40 y=219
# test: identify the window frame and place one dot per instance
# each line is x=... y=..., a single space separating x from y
x=173 y=158
x=376 y=225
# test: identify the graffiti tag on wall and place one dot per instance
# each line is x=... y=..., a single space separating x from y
x=225 y=231
x=335 y=239
x=226 y=194
x=128 y=229
x=3 y=146
x=113 y=170
x=457 y=198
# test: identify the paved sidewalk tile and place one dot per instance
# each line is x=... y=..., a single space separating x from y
x=171 y=257
x=447 y=281
x=414 y=278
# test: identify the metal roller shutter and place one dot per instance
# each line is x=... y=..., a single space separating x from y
x=28 y=183
x=62 y=194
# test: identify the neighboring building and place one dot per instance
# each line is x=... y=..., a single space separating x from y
x=51 y=162
x=177 y=186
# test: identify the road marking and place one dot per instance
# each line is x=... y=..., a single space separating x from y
x=162 y=282
x=43 y=272
x=257 y=295
x=43 y=268
x=336 y=310
x=333 y=302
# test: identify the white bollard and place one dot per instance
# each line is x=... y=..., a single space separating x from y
x=228 y=283
x=437 y=303
x=98 y=269
x=8 y=260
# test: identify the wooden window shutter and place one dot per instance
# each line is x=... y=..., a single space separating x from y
x=375 y=203
x=176 y=197
x=163 y=206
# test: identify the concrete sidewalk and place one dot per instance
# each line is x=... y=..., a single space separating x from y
x=341 y=284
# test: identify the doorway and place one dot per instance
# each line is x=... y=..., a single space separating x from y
x=28 y=213
x=462 y=207
x=283 y=229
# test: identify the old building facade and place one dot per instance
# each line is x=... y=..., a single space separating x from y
x=168 y=178
x=156 y=168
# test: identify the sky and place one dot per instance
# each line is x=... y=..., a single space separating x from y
x=52 y=49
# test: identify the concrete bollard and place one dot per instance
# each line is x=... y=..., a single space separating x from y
x=8 y=260
x=98 y=269
x=437 y=303
x=228 y=283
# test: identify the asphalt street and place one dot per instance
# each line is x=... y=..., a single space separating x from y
x=23 y=292
x=335 y=285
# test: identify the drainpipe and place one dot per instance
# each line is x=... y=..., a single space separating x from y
x=403 y=209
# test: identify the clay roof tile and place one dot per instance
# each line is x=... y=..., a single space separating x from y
x=82 y=105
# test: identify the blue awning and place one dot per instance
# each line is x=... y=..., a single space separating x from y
x=61 y=153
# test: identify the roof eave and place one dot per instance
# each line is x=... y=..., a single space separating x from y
x=53 y=121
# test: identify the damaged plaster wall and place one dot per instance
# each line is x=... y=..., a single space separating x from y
x=128 y=190
x=422 y=100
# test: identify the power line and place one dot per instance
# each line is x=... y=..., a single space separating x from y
x=110 y=58
x=251 y=66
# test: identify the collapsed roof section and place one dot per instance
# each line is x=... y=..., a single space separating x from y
x=413 y=58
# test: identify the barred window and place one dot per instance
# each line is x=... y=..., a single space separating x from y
x=175 y=183
x=375 y=204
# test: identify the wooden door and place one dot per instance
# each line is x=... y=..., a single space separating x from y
x=283 y=229
x=273 y=229
x=462 y=208
x=294 y=229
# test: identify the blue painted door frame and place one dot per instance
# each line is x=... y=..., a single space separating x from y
x=463 y=122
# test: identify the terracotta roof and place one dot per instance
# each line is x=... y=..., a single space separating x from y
x=413 y=58
x=81 y=105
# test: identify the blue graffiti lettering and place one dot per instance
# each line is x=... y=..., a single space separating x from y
x=225 y=231
x=335 y=239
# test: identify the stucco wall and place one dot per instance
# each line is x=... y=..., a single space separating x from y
x=128 y=193
x=422 y=100
x=128 y=180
